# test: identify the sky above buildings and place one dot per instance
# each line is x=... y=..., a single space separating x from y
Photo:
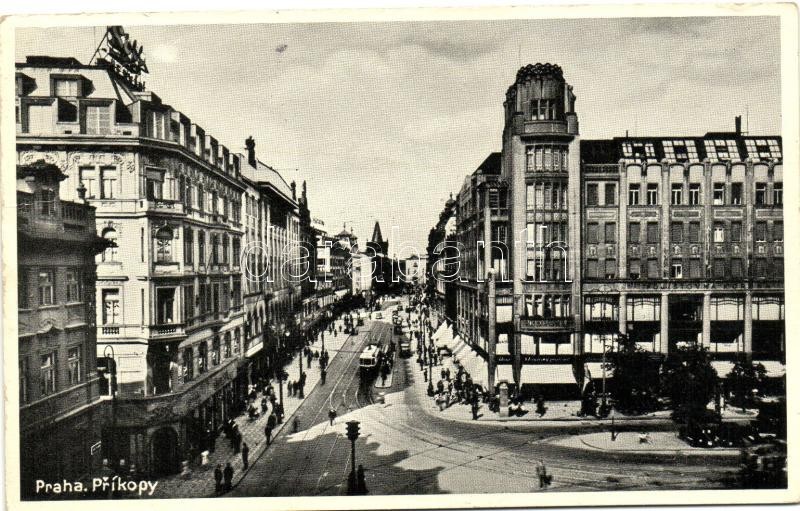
x=385 y=120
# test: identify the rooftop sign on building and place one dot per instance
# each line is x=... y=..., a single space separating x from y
x=123 y=56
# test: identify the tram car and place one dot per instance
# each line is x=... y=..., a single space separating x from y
x=369 y=360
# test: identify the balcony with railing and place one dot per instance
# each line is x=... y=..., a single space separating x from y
x=61 y=220
x=600 y=168
x=168 y=330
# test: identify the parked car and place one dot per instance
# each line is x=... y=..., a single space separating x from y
x=764 y=465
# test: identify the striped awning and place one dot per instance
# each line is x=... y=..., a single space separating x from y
x=504 y=372
x=458 y=347
x=594 y=370
x=439 y=331
x=722 y=367
x=547 y=374
x=446 y=339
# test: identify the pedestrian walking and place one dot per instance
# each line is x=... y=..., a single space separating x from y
x=322 y=375
x=237 y=441
x=361 y=481
x=541 y=473
x=245 y=455
x=270 y=426
x=332 y=415
x=218 y=478
x=227 y=476
x=211 y=438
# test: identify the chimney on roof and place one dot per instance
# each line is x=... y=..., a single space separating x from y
x=304 y=190
x=250 y=144
x=738 y=124
x=294 y=190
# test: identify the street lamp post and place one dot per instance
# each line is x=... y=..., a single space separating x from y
x=352 y=435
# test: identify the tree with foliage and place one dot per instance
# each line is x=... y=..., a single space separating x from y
x=743 y=379
x=635 y=385
x=690 y=382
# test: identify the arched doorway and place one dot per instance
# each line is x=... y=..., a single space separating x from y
x=164 y=452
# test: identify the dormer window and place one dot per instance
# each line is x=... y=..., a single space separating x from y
x=66 y=87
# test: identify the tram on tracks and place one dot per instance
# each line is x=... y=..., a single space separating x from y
x=371 y=359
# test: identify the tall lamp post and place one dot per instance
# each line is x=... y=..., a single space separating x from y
x=352 y=435
x=112 y=386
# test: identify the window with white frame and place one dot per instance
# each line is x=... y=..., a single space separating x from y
x=47 y=373
x=110 y=252
x=777 y=194
x=108 y=177
x=88 y=176
x=677 y=194
x=694 y=194
x=73 y=285
x=46 y=284
x=74 y=367
x=112 y=310
x=633 y=194
x=164 y=245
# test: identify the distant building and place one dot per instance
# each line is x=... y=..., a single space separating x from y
x=414 y=270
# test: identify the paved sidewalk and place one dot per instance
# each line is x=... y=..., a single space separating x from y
x=200 y=480
x=658 y=442
x=556 y=411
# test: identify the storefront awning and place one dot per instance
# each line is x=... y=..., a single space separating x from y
x=439 y=331
x=543 y=374
x=504 y=372
x=722 y=367
x=445 y=339
x=774 y=368
x=478 y=370
x=594 y=370
x=458 y=347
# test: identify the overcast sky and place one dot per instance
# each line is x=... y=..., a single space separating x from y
x=384 y=120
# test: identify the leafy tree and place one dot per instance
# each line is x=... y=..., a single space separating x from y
x=635 y=385
x=690 y=382
x=743 y=379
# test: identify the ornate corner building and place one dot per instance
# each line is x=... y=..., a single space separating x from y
x=668 y=240
x=186 y=305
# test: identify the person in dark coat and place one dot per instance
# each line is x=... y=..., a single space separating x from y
x=332 y=415
x=211 y=438
x=245 y=455
x=237 y=441
x=270 y=426
x=361 y=482
x=218 y=478
x=227 y=475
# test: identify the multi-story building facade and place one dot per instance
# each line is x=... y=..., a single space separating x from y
x=443 y=264
x=170 y=200
x=61 y=412
x=334 y=276
x=272 y=271
x=668 y=240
